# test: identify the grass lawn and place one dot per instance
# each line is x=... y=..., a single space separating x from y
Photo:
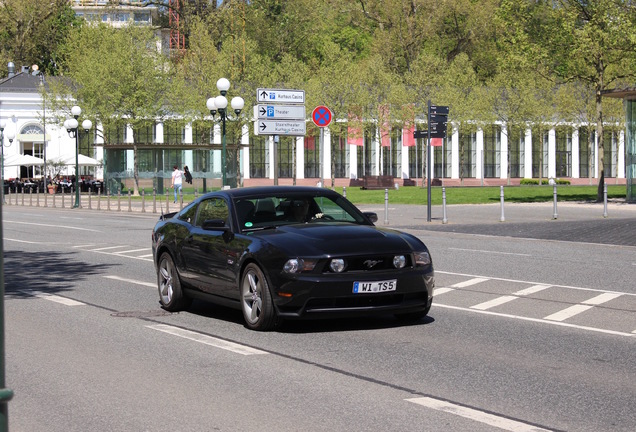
x=456 y=195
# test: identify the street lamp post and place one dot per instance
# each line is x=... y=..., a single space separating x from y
x=10 y=137
x=71 y=126
x=219 y=104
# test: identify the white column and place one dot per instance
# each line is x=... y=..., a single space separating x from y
x=300 y=157
x=551 y=153
x=405 y=158
x=620 y=166
x=479 y=162
x=217 y=154
x=270 y=145
x=527 y=159
x=245 y=152
x=375 y=142
x=455 y=153
x=576 y=154
x=327 y=159
x=503 y=152
x=353 y=161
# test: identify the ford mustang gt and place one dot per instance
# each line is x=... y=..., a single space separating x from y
x=289 y=252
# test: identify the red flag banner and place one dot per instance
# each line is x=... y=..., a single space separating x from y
x=354 y=131
x=407 y=135
x=385 y=126
x=436 y=142
x=310 y=143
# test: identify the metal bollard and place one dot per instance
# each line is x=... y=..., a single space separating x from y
x=605 y=200
x=54 y=199
x=444 y=218
x=344 y=191
x=63 y=205
x=154 y=200
x=90 y=204
x=143 y=201
x=119 y=200
x=167 y=202
x=181 y=200
x=129 y=201
x=22 y=197
x=386 y=206
x=99 y=198
x=554 y=216
x=37 y=197
x=501 y=196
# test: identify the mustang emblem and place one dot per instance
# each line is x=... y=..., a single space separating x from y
x=371 y=263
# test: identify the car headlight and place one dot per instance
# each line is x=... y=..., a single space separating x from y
x=337 y=265
x=297 y=265
x=422 y=258
x=399 y=261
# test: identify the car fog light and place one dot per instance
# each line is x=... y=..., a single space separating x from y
x=422 y=258
x=337 y=265
x=399 y=261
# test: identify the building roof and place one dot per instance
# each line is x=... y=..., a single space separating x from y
x=21 y=82
x=624 y=93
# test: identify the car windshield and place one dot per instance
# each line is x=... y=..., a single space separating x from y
x=256 y=213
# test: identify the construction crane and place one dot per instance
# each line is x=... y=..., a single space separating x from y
x=177 y=40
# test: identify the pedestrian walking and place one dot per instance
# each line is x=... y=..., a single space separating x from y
x=187 y=174
x=177 y=177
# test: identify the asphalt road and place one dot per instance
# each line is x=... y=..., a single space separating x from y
x=525 y=334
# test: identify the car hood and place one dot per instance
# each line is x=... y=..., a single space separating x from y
x=339 y=238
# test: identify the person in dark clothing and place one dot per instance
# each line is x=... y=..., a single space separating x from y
x=187 y=174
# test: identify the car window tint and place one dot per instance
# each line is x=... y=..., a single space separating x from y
x=213 y=208
x=187 y=214
x=333 y=209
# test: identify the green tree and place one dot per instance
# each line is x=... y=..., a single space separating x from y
x=117 y=76
x=31 y=31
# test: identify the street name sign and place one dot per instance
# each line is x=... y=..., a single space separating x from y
x=282 y=112
x=279 y=127
x=280 y=95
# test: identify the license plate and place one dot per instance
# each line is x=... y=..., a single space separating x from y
x=374 y=287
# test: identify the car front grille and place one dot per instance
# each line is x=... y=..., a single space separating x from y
x=369 y=263
x=354 y=302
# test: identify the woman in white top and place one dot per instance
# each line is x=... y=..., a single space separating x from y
x=177 y=177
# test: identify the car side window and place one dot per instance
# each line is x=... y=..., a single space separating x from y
x=213 y=208
x=187 y=214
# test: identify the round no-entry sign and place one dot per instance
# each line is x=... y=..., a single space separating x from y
x=321 y=116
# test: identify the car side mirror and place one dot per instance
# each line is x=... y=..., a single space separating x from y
x=372 y=216
x=215 y=225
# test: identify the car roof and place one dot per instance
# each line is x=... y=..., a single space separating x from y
x=275 y=190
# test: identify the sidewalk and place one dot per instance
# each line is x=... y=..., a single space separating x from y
x=575 y=221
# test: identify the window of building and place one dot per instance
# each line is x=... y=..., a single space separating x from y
x=173 y=132
x=259 y=157
x=340 y=156
x=492 y=151
x=442 y=160
x=467 y=154
x=286 y=156
x=312 y=156
x=563 y=155
x=539 y=153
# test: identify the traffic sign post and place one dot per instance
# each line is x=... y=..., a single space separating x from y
x=437 y=117
x=280 y=95
x=280 y=127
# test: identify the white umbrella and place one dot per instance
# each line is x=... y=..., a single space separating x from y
x=22 y=160
x=83 y=160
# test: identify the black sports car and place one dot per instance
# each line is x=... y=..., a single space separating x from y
x=289 y=252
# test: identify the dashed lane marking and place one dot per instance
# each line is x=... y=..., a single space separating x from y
x=441 y=290
x=132 y=281
x=54 y=226
x=207 y=340
x=476 y=415
x=531 y=290
x=494 y=302
x=491 y=252
x=131 y=251
x=106 y=248
x=470 y=282
x=54 y=298
x=580 y=308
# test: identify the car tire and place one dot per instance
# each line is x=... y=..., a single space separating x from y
x=256 y=300
x=171 y=296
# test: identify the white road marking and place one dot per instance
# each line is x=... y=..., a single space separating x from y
x=54 y=226
x=476 y=415
x=580 y=308
x=494 y=302
x=132 y=281
x=54 y=298
x=25 y=241
x=208 y=340
x=441 y=290
x=490 y=252
x=531 y=290
x=602 y=298
x=84 y=246
x=566 y=313
x=130 y=251
x=469 y=282
x=106 y=248
x=537 y=320
x=145 y=256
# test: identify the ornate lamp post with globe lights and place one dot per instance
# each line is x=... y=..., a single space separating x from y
x=71 y=126
x=219 y=104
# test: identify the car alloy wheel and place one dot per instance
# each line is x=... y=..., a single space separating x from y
x=256 y=300
x=171 y=296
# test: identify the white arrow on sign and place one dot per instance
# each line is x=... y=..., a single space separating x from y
x=276 y=95
x=279 y=127
x=273 y=112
